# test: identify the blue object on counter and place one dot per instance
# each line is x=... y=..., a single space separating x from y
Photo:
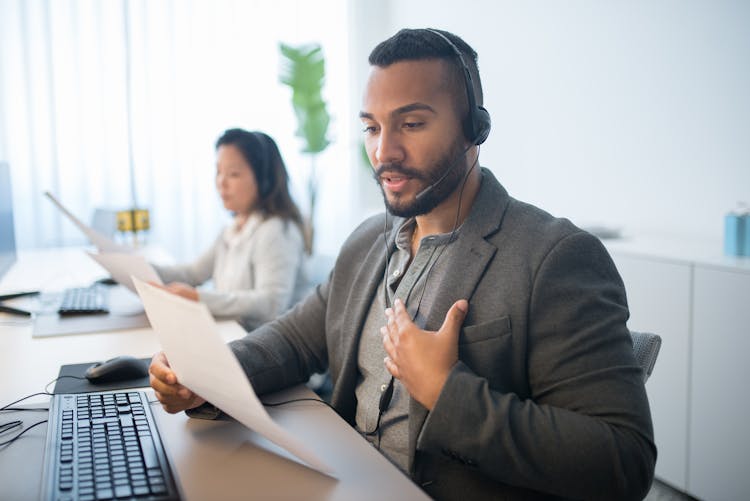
x=746 y=235
x=735 y=233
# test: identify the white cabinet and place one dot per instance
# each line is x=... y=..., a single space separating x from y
x=698 y=301
x=720 y=407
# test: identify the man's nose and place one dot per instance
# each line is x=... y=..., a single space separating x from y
x=390 y=149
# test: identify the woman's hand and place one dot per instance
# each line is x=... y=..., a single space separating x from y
x=183 y=290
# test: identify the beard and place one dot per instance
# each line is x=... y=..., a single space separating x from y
x=407 y=205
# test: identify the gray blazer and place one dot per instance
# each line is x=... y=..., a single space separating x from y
x=546 y=398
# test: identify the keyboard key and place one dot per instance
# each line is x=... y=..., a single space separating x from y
x=140 y=491
x=104 y=494
x=150 y=459
x=123 y=491
x=158 y=489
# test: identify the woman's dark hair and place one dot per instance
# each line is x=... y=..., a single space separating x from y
x=263 y=156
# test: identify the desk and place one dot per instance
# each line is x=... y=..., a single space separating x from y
x=211 y=459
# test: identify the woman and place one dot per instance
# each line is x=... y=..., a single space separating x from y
x=256 y=262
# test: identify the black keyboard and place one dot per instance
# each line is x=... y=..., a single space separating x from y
x=104 y=446
x=84 y=301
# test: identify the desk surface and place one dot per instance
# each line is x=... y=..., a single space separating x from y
x=212 y=459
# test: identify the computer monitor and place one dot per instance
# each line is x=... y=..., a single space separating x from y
x=7 y=232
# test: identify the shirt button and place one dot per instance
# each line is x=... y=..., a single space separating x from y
x=383 y=387
x=397 y=273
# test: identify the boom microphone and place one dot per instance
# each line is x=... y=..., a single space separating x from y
x=431 y=187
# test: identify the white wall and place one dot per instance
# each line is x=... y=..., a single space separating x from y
x=631 y=114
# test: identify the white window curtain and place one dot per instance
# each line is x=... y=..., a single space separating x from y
x=114 y=103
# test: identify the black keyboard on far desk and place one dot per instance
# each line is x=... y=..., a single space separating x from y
x=104 y=446
x=92 y=300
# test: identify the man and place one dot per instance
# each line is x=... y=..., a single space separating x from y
x=477 y=341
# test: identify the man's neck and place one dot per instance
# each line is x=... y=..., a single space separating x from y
x=442 y=219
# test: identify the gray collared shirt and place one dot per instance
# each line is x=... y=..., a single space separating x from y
x=415 y=282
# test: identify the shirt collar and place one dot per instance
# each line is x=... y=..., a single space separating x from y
x=231 y=234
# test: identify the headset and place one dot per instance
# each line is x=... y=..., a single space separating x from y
x=477 y=123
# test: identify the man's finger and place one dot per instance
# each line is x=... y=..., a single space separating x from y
x=392 y=368
x=401 y=315
x=159 y=368
x=390 y=349
x=454 y=319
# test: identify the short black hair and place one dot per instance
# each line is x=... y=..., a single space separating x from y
x=420 y=44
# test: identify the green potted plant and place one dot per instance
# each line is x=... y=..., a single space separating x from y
x=303 y=69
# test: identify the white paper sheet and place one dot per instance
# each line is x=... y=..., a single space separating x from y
x=103 y=243
x=205 y=364
x=124 y=266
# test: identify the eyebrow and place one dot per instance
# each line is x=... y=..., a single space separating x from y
x=402 y=110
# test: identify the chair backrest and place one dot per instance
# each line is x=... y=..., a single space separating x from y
x=319 y=266
x=105 y=221
x=646 y=348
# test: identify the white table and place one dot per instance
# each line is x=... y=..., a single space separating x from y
x=212 y=459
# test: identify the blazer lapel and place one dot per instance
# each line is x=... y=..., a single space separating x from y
x=475 y=254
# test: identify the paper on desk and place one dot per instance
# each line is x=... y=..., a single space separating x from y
x=124 y=266
x=103 y=243
x=205 y=364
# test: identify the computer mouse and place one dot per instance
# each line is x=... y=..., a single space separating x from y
x=122 y=368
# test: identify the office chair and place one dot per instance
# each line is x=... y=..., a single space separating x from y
x=646 y=348
x=105 y=221
x=318 y=268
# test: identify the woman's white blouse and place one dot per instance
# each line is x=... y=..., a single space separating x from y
x=257 y=272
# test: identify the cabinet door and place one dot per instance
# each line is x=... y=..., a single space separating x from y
x=720 y=408
x=659 y=301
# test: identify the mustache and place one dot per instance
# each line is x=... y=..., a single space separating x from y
x=397 y=168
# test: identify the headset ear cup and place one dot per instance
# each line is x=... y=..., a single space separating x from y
x=267 y=181
x=481 y=124
x=477 y=123
x=265 y=169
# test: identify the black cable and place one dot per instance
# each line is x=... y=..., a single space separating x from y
x=46 y=386
x=6 y=427
x=25 y=409
x=7 y=407
x=277 y=404
x=306 y=399
x=7 y=442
